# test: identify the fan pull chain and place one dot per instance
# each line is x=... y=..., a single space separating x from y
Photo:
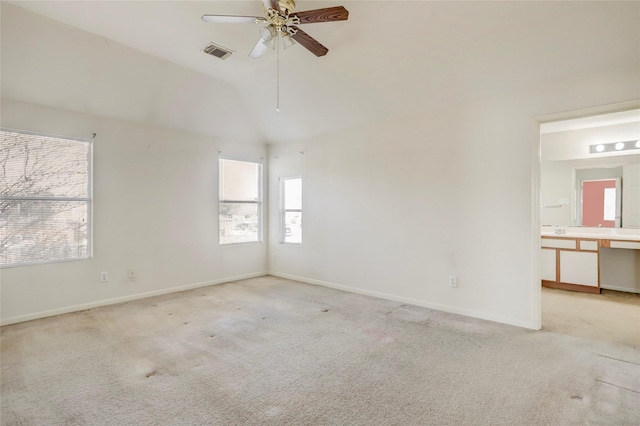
x=278 y=71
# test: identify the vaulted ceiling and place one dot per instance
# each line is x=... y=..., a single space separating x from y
x=390 y=59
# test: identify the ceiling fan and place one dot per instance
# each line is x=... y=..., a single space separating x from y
x=281 y=21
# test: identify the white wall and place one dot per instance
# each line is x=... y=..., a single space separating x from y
x=155 y=210
x=394 y=209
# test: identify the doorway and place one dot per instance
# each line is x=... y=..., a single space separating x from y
x=579 y=190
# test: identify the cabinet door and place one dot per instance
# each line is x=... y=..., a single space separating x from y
x=548 y=265
x=579 y=268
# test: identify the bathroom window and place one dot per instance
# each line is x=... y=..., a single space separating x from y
x=45 y=199
x=292 y=210
x=240 y=202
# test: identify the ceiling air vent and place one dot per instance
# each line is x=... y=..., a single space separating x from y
x=217 y=51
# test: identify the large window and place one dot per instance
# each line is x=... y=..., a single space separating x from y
x=45 y=198
x=240 y=201
x=292 y=210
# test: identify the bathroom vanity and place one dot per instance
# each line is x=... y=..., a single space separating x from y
x=588 y=259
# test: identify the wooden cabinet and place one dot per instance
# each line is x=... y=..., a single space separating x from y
x=579 y=267
x=570 y=264
x=573 y=261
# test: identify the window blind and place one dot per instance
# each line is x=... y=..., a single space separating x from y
x=239 y=203
x=45 y=198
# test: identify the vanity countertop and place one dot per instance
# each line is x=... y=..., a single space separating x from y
x=616 y=234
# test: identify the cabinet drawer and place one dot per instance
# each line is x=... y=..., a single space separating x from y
x=588 y=245
x=559 y=243
x=625 y=245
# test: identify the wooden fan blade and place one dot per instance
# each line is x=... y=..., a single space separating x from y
x=230 y=19
x=338 y=13
x=310 y=43
x=259 y=49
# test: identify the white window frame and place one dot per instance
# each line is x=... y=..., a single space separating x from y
x=259 y=202
x=88 y=199
x=284 y=211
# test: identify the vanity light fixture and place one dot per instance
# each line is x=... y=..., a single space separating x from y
x=614 y=146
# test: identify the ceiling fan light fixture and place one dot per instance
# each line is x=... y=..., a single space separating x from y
x=271 y=43
x=283 y=21
x=287 y=41
x=266 y=33
x=268 y=36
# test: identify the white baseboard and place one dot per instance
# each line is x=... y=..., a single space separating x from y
x=625 y=289
x=380 y=295
x=410 y=301
x=85 y=306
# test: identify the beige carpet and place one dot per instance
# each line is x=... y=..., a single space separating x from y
x=276 y=352
x=612 y=316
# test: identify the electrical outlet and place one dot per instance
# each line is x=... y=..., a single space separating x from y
x=104 y=277
x=453 y=281
x=131 y=274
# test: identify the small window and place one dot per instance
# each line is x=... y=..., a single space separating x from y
x=292 y=210
x=240 y=207
x=45 y=199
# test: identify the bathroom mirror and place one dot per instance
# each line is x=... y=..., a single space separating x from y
x=584 y=184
